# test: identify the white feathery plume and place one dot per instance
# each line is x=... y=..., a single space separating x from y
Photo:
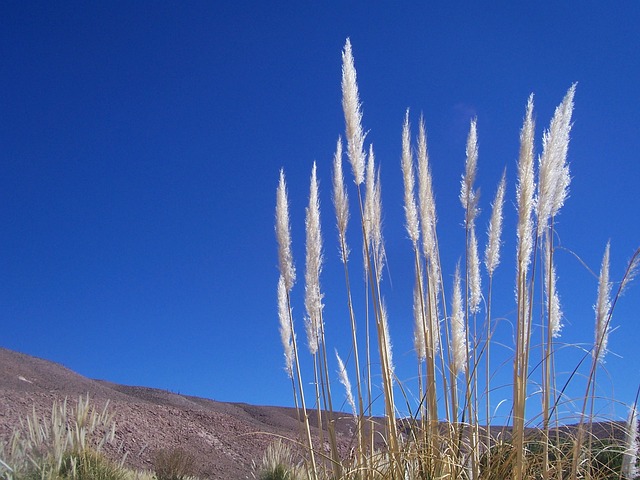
x=344 y=380
x=494 y=232
x=474 y=273
x=418 y=329
x=340 y=198
x=410 y=209
x=550 y=281
x=369 y=189
x=313 y=336
x=434 y=324
x=352 y=114
x=468 y=197
x=283 y=235
x=428 y=220
x=554 y=178
x=286 y=335
x=377 y=240
x=525 y=191
x=312 y=294
x=458 y=336
x=630 y=469
x=603 y=309
x=387 y=339
x=632 y=271
x=373 y=215
x=425 y=197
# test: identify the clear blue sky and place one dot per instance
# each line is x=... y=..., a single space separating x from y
x=140 y=145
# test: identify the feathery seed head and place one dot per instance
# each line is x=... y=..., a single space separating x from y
x=313 y=334
x=468 y=197
x=387 y=339
x=286 y=335
x=425 y=196
x=418 y=330
x=525 y=191
x=632 y=271
x=474 y=273
x=352 y=114
x=283 y=235
x=603 y=309
x=377 y=240
x=373 y=215
x=434 y=322
x=428 y=217
x=344 y=380
x=630 y=456
x=554 y=178
x=410 y=209
x=494 y=233
x=458 y=336
x=340 y=197
x=552 y=297
x=369 y=194
x=313 y=296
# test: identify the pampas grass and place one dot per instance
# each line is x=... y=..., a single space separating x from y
x=67 y=444
x=450 y=348
x=352 y=114
x=630 y=459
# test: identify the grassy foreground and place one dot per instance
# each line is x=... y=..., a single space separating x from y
x=68 y=444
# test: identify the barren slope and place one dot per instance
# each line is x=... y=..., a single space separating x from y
x=223 y=437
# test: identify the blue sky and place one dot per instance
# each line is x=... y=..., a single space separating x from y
x=140 y=146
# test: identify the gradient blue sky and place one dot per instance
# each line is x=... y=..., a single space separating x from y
x=140 y=145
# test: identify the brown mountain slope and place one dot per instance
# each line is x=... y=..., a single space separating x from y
x=223 y=437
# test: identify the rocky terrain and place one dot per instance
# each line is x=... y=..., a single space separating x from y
x=224 y=438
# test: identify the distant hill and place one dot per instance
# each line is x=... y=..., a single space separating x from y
x=223 y=437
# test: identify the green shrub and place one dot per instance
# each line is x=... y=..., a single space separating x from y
x=89 y=465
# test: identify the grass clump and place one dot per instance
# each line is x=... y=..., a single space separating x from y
x=89 y=464
x=278 y=463
x=67 y=444
x=454 y=329
x=173 y=464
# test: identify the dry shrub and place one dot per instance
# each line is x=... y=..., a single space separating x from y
x=173 y=464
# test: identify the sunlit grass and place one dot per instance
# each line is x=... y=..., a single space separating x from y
x=447 y=438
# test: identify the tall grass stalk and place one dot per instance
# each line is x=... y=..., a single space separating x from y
x=469 y=199
x=524 y=232
x=341 y=204
x=288 y=274
x=433 y=280
x=314 y=323
x=553 y=188
x=630 y=457
x=427 y=329
x=492 y=260
x=604 y=308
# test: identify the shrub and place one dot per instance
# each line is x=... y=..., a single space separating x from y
x=89 y=465
x=65 y=444
x=277 y=464
x=173 y=464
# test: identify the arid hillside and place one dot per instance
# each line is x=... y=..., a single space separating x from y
x=224 y=438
